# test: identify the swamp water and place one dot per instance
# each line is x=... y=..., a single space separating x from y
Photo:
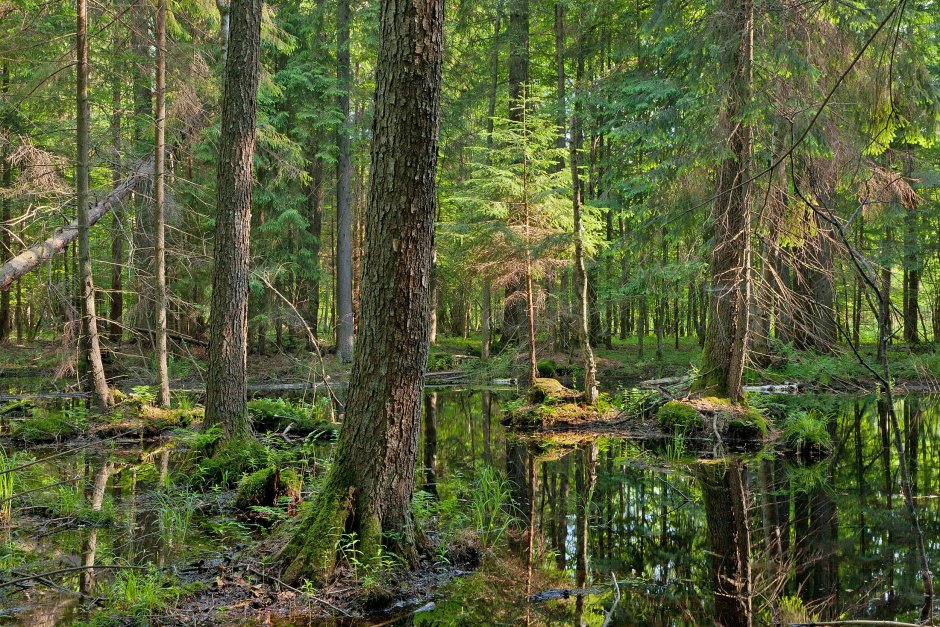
x=800 y=540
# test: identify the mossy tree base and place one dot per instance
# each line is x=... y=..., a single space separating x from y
x=264 y=487
x=336 y=525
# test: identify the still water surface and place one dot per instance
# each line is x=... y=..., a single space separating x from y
x=690 y=539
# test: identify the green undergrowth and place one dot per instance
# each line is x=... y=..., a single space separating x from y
x=740 y=422
x=276 y=415
x=803 y=420
x=907 y=364
x=51 y=425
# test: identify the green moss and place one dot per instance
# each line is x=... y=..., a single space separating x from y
x=157 y=420
x=312 y=550
x=49 y=426
x=676 y=415
x=264 y=487
x=547 y=367
x=747 y=425
x=551 y=391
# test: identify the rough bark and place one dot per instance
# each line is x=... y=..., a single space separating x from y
x=344 y=298
x=226 y=392
x=369 y=488
x=159 y=200
x=514 y=313
x=725 y=349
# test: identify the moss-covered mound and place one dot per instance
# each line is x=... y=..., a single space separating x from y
x=47 y=425
x=552 y=392
x=264 y=487
x=715 y=415
x=548 y=402
x=678 y=415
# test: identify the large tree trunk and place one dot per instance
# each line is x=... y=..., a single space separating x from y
x=159 y=200
x=369 y=488
x=344 y=298
x=226 y=391
x=725 y=348
x=514 y=309
x=90 y=353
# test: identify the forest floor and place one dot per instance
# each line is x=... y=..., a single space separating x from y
x=296 y=436
x=620 y=366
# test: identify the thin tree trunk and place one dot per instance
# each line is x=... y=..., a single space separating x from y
x=369 y=487
x=430 y=443
x=315 y=228
x=344 y=297
x=485 y=323
x=225 y=21
x=6 y=180
x=912 y=264
x=581 y=278
x=116 y=314
x=159 y=199
x=90 y=361
x=226 y=391
x=143 y=122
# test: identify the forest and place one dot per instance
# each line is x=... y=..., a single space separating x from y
x=485 y=312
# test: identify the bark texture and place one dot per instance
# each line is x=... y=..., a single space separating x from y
x=514 y=309
x=226 y=387
x=159 y=199
x=725 y=347
x=368 y=491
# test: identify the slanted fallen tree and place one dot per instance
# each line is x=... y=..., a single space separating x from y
x=38 y=253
